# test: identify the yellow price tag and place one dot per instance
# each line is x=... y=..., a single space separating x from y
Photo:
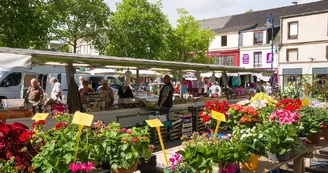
x=40 y=116
x=157 y=124
x=218 y=116
x=82 y=119
x=154 y=123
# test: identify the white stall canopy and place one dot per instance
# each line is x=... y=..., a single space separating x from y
x=8 y=60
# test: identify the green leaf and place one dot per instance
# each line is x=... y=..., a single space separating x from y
x=128 y=155
x=124 y=147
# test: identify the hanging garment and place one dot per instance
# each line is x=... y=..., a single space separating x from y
x=252 y=79
x=238 y=81
x=234 y=81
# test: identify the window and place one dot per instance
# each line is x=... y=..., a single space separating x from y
x=258 y=37
x=293 y=30
x=224 y=40
x=291 y=79
x=292 y=55
x=224 y=60
x=257 y=59
x=13 y=79
x=27 y=79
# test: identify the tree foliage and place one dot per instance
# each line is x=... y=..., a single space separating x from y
x=189 y=43
x=138 y=29
x=79 y=20
x=24 y=23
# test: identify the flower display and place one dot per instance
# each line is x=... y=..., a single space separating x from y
x=60 y=125
x=290 y=104
x=26 y=136
x=206 y=114
x=39 y=124
x=284 y=116
x=317 y=104
x=261 y=100
x=242 y=115
x=74 y=167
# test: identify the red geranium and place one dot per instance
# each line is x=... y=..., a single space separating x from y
x=39 y=123
x=290 y=104
x=26 y=135
x=60 y=125
x=218 y=106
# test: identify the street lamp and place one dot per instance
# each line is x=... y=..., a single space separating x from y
x=270 y=23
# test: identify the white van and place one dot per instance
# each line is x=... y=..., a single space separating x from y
x=14 y=82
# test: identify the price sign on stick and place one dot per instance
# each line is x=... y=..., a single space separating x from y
x=40 y=116
x=81 y=119
x=219 y=118
x=157 y=124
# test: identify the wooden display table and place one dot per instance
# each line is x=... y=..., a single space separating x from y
x=265 y=165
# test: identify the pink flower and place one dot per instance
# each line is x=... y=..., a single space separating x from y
x=129 y=131
x=73 y=167
x=124 y=129
x=134 y=139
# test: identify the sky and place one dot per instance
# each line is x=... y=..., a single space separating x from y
x=204 y=9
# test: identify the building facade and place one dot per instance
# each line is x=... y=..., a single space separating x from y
x=255 y=50
x=304 y=47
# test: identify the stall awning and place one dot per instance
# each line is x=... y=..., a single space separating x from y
x=323 y=70
x=43 y=57
x=8 y=60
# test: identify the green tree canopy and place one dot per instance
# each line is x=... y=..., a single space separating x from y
x=79 y=20
x=189 y=42
x=138 y=29
x=24 y=23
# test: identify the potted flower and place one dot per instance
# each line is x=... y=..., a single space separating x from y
x=244 y=116
x=311 y=119
x=206 y=114
x=176 y=165
x=228 y=154
x=125 y=147
x=280 y=140
x=18 y=145
x=199 y=151
x=262 y=100
x=252 y=141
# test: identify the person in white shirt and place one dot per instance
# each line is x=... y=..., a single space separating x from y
x=205 y=88
x=81 y=79
x=214 y=90
x=56 y=93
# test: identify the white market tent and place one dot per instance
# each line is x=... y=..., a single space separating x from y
x=26 y=58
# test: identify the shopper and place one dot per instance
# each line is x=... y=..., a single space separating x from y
x=35 y=95
x=165 y=100
x=107 y=93
x=100 y=83
x=81 y=79
x=56 y=92
x=214 y=90
x=86 y=89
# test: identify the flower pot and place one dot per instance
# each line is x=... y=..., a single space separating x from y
x=230 y=168
x=283 y=158
x=325 y=134
x=252 y=165
x=123 y=170
x=271 y=156
x=313 y=139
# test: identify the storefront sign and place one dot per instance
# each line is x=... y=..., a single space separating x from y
x=268 y=58
x=245 y=58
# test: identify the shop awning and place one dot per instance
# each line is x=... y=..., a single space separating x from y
x=46 y=57
x=8 y=60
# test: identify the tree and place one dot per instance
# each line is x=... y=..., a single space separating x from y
x=249 y=11
x=79 y=20
x=24 y=24
x=189 y=43
x=138 y=29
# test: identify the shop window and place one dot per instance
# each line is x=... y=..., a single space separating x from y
x=291 y=80
x=224 y=40
x=293 y=30
x=13 y=79
x=292 y=55
x=258 y=37
x=257 y=59
x=224 y=60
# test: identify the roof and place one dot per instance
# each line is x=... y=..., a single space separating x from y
x=304 y=14
x=45 y=57
x=259 y=18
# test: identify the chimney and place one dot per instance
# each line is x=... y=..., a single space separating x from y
x=294 y=3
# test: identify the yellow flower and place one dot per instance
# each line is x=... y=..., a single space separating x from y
x=305 y=102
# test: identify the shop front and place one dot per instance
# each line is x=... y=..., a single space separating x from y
x=291 y=76
x=321 y=74
x=226 y=58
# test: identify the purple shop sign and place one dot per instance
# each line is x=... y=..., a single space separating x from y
x=245 y=58
x=268 y=58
